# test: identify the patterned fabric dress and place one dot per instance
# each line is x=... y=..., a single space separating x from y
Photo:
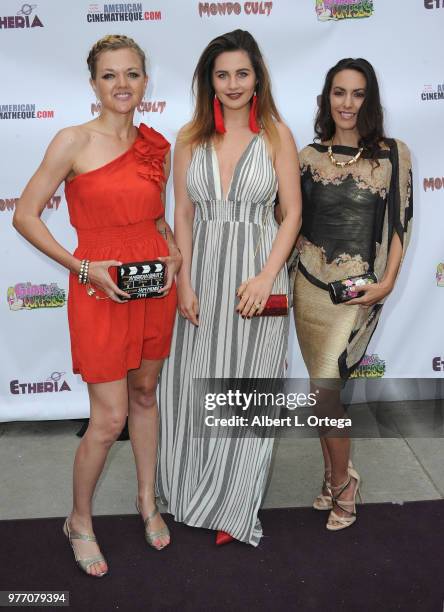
x=349 y=217
x=218 y=482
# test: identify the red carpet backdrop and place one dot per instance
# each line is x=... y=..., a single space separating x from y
x=43 y=48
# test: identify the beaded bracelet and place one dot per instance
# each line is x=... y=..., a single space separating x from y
x=83 y=273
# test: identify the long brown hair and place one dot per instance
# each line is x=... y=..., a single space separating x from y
x=370 y=117
x=201 y=128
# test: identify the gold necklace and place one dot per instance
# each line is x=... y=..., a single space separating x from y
x=339 y=164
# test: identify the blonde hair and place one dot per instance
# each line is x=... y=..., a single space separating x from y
x=112 y=42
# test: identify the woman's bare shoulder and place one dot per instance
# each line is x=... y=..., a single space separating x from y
x=285 y=134
x=71 y=139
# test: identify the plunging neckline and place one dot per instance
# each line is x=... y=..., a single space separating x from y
x=216 y=165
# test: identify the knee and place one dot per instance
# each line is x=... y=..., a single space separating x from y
x=143 y=395
x=107 y=432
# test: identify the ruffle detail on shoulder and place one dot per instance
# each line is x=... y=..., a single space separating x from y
x=150 y=149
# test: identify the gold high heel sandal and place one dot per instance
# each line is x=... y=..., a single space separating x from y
x=336 y=522
x=152 y=536
x=324 y=502
x=84 y=564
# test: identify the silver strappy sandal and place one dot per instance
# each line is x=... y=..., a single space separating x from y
x=84 y=564
x=152 y=536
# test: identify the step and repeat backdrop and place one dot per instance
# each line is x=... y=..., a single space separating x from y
x=43 y=49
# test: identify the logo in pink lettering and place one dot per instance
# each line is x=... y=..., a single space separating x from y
x=215 y=9
x=440 y=275
x=146 y=106
x=26 y=296
x=370 y=366
x=327 y=10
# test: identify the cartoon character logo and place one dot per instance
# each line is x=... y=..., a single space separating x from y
x=440 y=275
x=327 y=10
x=324 y=14
x=26 y=296
x=14 y=302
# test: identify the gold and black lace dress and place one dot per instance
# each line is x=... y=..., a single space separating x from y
x=349 y=217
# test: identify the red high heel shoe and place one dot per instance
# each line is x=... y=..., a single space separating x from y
x=223 y=538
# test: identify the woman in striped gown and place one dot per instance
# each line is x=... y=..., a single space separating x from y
x=229 y=161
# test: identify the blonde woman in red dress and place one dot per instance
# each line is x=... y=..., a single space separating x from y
x=114 y=177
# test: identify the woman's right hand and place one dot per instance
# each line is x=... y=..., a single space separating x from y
x=100 y=278
x=187 y=303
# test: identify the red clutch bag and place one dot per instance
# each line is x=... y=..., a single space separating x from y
x=276 y=306
x=277 y=303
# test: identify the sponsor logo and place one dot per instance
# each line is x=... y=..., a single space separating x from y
x=53 y=384
x=328 y=10
x=438 y=364
x=126 y=11
x=24 y=111
x=10 y=203
x=213 y=9
x=146 y=106
x=26 y=296
x=371 y=366
x=433 y=4
x=433 y=183
x=24 y=18
x=433 y=93
x=440 y=275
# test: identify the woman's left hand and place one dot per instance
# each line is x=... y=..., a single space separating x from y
x=254 y=294
x=173 y=263
x=373 y=294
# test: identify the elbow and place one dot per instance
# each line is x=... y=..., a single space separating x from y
x=16 y=221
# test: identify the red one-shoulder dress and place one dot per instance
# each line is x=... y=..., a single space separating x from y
x=113 y=210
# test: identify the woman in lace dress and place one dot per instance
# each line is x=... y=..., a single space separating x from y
x=357 y=208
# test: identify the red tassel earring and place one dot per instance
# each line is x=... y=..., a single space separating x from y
x=254 y=127
x=218 y=116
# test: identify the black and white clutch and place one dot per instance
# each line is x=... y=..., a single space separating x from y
x=142 y=279
x=348 y=288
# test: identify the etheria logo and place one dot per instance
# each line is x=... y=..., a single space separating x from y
x=438 y=364
x=26 y=296
x=127 y=11
x=146 y=106
x=214 y=9
x=23 y=19
x=371 y=366
x=53 y=384
x=327 y=10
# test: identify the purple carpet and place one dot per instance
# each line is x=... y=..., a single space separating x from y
x=391 y=559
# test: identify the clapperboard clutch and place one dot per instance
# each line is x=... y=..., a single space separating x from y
x=141 y=279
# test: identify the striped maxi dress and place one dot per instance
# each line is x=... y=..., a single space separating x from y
x=213 y=481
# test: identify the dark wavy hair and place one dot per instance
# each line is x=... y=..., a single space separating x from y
x=370 y=121
x=201 y=128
